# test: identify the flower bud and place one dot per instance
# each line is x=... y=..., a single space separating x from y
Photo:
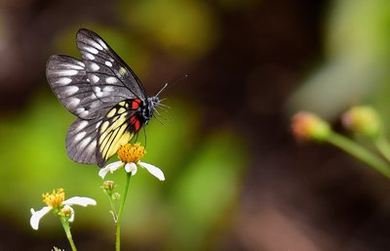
x=362 y=120
x=66 y=212
x=116 y=196
x=109 y=185
x=308 y=126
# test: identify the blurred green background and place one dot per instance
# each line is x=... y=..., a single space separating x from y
x=235 y=178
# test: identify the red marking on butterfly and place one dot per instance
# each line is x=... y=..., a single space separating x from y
x=135 y=122
x=135 y=104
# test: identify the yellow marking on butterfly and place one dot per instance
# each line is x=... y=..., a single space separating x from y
x=119 y=140
x=122 y=103
x=122 y=71
x=111 y=113
x=121 y=110
x=113 y=135
x=104 y=126
x=107 y=136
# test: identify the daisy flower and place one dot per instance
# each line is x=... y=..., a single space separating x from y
x=130 y=156
x=56 y=202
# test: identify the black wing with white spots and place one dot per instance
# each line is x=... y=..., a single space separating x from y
x=68 y=80
x=111 y=78
x=81 y=140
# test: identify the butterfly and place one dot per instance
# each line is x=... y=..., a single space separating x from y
x=104 y=93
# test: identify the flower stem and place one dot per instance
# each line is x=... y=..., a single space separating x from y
x=120 y=212
x=66 y=227
x=359 y=153
x=383 y=147
x=113 y=209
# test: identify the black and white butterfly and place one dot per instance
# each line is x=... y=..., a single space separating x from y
x=107 y=97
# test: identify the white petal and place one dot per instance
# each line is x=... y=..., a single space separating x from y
x=37 y=216
x=155 y=171
x=80 y=201
x=131 y=168
x=110 y=168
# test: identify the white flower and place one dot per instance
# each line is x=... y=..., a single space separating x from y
x=55 y=200
x=130 y=157
x=132 y=168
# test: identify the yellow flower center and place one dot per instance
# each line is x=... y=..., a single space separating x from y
x=131 y=153
x=55 y=198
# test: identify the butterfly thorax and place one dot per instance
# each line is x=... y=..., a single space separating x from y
x=149 y=107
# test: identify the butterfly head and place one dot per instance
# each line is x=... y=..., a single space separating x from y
x=151 y=104
x=150 y=107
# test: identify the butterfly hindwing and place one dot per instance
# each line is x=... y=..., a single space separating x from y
x=96 y=140
x=111 y=78
x=68 y=80
x=81 y=140
x=115 y=130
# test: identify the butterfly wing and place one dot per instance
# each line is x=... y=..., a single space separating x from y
x=81 y=140
x=68 y=80
x=117 y=128
x=96 y=140
x=111 y=78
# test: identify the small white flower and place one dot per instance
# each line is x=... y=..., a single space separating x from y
x=132 y=168
x=130 y=157
x=55 y=200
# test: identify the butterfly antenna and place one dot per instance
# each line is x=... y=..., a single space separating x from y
x=178 y=80
x=162 y=89
x=173 y=83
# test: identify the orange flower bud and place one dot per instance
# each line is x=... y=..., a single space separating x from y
x=308 y=126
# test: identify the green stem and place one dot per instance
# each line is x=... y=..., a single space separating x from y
x=359 y=153
x=119 y=216
x=113 y=209
x=383 y=147
x=65 y=225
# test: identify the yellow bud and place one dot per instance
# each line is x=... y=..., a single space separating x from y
x=362 y=120
x=109 y=185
